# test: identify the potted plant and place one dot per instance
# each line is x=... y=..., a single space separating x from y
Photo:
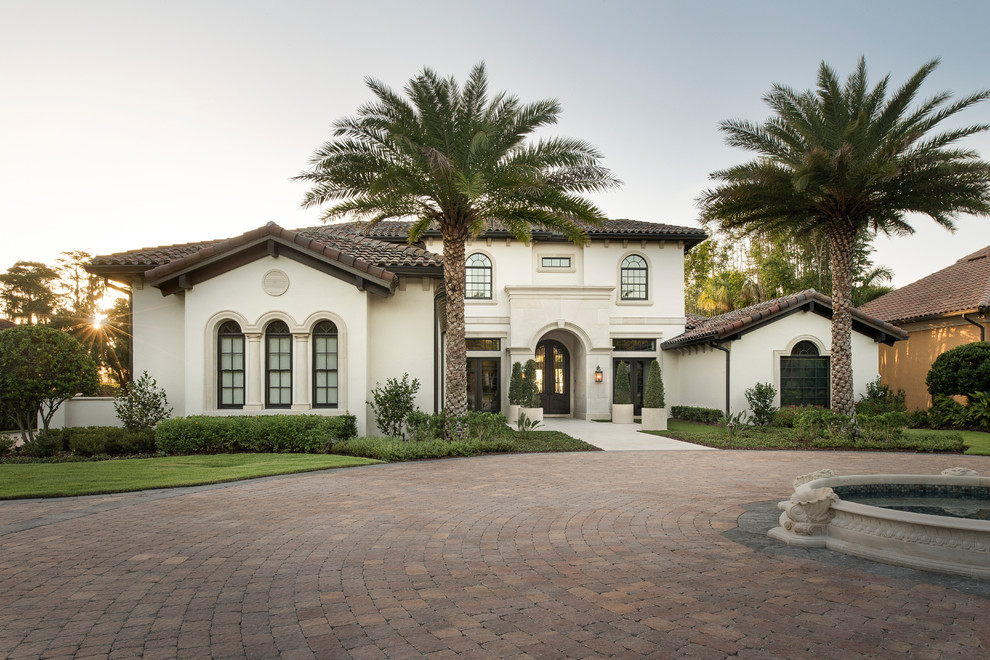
x=622 y=407
x=517 y=392
x=654 y=407
x=531 y=395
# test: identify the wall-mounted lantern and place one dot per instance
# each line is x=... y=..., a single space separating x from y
x=598 y=374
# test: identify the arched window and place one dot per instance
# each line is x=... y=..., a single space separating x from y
x=633 y=278
x=804 y=377
x=278 y=365
x=478 y=277
x=325 y=365
x=230 y=365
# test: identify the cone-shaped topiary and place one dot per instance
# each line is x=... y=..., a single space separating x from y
x=517 y=386
x=532 y=394
x=623 y=386
x=653 y=396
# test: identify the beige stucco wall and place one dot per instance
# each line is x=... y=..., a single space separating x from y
x=905 y=365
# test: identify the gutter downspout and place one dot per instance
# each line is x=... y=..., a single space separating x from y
x=726 y=351
x=983 y=330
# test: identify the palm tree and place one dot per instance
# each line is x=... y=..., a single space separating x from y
x=844 y=161
x=455 y=160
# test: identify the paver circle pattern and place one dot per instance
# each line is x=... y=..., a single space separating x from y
x=596 y=554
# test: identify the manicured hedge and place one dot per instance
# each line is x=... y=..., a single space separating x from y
x=696 y=414
x=264 y=433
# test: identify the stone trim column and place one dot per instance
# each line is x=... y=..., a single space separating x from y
x=301 y=359
x=254 y=372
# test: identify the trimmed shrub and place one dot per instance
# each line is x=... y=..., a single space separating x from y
x=422 y=427
x=760 y=399
x=978 y=410
x=44 y=444
x=696 y=414
x=653 y=397
x=918 y=419
x=880 y=399
x=6 y=445
x=963 y=370
x=392 y=404
x=531 y=392
x=946 y=413
x=623 y=384
x=142 y=404
x=517 y=386
x=816 y=423
x=885 y=427
x=265 y=433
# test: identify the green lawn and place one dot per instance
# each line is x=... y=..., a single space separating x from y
x=93 y=477
x=782 y=438
x=976 y=442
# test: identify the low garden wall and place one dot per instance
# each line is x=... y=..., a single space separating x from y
x=85 y=411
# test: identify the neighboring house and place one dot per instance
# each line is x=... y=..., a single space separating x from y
x=785 y=342
x=939 y=312
x=310 y=320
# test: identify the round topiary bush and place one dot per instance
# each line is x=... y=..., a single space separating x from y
x=962 y=370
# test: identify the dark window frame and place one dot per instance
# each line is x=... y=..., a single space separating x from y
x=278 y=330
x=805 y=377
x=555 y=262
x=321 y=330
x=478 y=277
x=634 y=280
x=231 y=330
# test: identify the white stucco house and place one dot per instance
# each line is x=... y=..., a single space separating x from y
x=277 y=320
x=282 y=321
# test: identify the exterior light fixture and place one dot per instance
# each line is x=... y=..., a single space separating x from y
x=598 y=374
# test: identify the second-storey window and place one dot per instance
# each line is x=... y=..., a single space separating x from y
x=278 y=365
x=633 y=278
x=478 y=277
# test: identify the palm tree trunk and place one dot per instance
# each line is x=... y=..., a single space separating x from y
x=842 y=241
x=455 y=373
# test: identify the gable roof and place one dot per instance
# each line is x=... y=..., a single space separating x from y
x=729 y=326
x=398 y=230
x=962 y=287
x=366 y=262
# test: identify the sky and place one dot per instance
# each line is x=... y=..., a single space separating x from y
x=133 y=123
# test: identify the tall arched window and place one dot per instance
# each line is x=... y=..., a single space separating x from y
x=478 y=277
x=804 y=377
x=230 y=365
x=633 y=278
x=325 y=365
x=278 y=365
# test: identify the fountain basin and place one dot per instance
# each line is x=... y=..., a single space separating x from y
x=818 y=516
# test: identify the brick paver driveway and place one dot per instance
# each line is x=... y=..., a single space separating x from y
x=569 y=555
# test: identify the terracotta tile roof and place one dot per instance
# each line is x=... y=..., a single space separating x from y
x=963 y=286
x=699 y=329
x=368 y=250
x=616 y=229
x=4 y=324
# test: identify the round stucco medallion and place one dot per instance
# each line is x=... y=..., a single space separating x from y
x=275 y=282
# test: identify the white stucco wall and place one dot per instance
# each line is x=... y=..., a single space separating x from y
x=578 y=305
x=755 y=358
x=159 y=341
x=401 y=340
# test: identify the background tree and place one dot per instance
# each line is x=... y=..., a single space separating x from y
x=81 y=291
x=455 y=159
x=27 y=292
x=844 y=161
x=41 y=367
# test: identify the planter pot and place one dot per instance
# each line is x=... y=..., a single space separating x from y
x=654 y=419
x=622 y=413
x=532 y=413
x=513 y=414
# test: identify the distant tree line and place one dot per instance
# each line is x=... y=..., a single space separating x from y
x=67 y=298
x=732 y=270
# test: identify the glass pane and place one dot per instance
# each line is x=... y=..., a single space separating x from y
x=558 y=371
x=332 y=378
x=541 y=354
x=239 y=379
x=226 y=379
x=226 y=362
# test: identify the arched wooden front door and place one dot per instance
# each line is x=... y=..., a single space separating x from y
x=553 y=377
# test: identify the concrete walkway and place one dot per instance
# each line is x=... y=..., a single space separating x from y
x=617 y=437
